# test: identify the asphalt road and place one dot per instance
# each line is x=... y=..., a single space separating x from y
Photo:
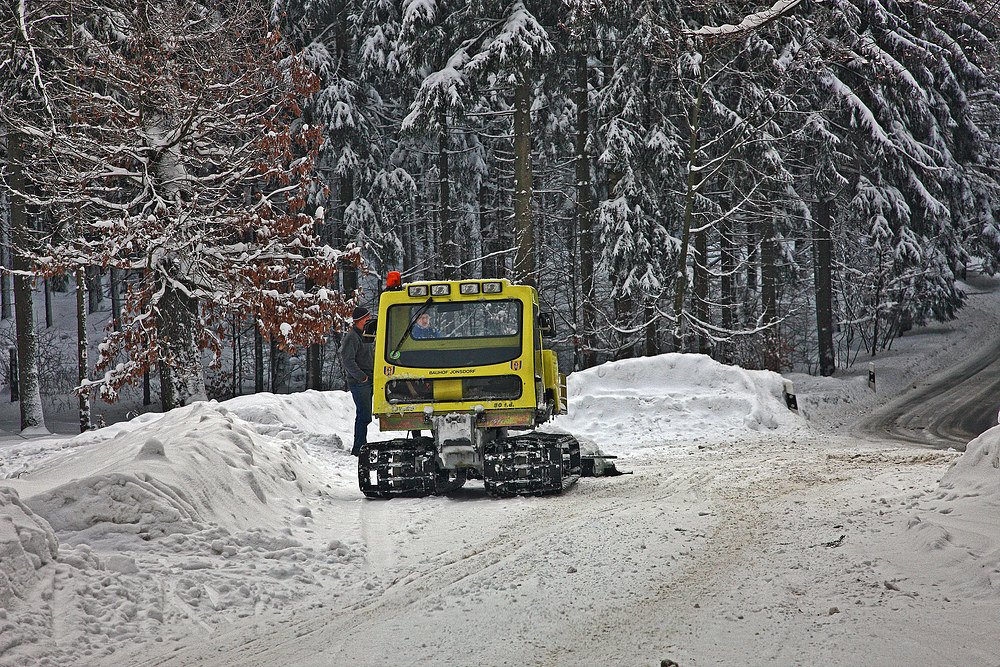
x=949 y=413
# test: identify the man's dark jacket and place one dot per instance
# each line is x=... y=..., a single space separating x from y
x=357 y=356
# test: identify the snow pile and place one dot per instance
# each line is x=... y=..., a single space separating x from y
x=197 y=466
x=960 y=521
x=27 y=542
x=311 y=417
x=673 y=398
x=23 y=456
x=977 y=472
x=170 y=526
x=319 y=423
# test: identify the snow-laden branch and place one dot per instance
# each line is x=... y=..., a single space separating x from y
x=750 y=23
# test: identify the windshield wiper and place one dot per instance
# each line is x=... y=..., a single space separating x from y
x=409 y=327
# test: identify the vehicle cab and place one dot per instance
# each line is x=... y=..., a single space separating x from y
x=469 y=347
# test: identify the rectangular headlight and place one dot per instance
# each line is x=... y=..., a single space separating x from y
x=469 y=288
x=417 y=290
x=492 y=287
x=440 y=290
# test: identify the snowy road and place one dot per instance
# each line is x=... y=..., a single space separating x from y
x=949 y=412
x=953 y=407
x=766 y=555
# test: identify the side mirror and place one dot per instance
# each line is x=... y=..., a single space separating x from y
x=547 y=324
x=370 y=327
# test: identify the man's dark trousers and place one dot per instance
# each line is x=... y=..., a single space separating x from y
x=362 y=394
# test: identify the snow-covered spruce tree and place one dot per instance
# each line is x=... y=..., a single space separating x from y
x=433 y=53
x=824 y=185
x=351 y=46
x=754 y=99
x=514 y=54
x=348 y=45
x=637 y=216
x=584 y=19
x=190 y=169
x=900 y=82
x=485 y=45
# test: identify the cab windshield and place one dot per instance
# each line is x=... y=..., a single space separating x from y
x=454 y=334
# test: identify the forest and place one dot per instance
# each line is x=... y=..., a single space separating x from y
x=787 y=186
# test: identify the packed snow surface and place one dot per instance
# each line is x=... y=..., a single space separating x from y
x=234 y=533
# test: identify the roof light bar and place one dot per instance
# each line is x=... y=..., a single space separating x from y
x=492 y=287
x=416 y=290
x=469 y=288
x=440 y=290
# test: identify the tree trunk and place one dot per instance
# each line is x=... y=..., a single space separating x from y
x=727 y=269
x=749 y=305
x=279 y=369
x=349 y=274
x=27 y=346
x=487 y=264
x=80 y=277
x=182 y=378
x=753 y=261
x=314 y=356
x=5 y=296
x=316 y=367
x=524 y=231
x=93 y=289
x=585 y=207
x=768 y=290
x=449 y=250
x=624 y=319
x=652 y=335
x=823 y=279
x=47 y=288
x=116 y=298
x=82 y=362
x=701 y=305
x=258 y=359
x=680 y=279
x=235 y=345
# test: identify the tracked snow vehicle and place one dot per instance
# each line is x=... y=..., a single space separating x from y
x=465 y=361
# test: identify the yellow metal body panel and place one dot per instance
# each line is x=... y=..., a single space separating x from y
x=447 y=381
x=550 y=374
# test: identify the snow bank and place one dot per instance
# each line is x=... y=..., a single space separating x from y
x=673 y=398
x=960 y=521
x=196 y=466
x=977 y=472
x=312 y=417
x=172 y=525
x=27 y=542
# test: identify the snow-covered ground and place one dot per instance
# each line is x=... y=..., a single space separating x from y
x=234 y=533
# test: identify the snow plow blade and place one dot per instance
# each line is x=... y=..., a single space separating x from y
x=597 y=465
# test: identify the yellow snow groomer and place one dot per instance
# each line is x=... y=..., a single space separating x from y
x=465 y=361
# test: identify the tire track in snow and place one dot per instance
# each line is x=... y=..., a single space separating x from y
x=375 y=532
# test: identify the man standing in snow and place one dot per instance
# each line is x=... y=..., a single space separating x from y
x=358 y=360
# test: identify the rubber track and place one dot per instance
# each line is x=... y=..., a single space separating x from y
x=532 y=464
x=401 y=467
